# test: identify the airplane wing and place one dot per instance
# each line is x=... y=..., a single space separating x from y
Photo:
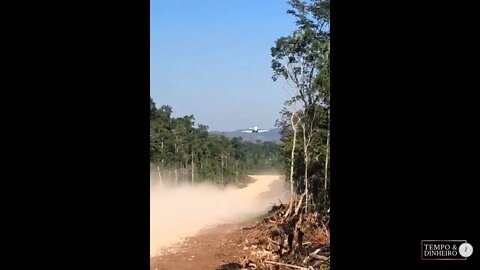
x=247 y=131
x=262 y=130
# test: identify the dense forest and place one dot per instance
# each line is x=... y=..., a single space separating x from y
x=302 y=59
x=295 y=234
x=182 y=153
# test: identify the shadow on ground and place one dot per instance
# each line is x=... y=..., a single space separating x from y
x=229 y=266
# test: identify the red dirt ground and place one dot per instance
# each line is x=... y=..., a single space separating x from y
x=220 y=247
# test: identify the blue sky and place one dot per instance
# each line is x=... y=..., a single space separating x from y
x=211 y=58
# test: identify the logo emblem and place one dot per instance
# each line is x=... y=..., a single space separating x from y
x=465 y=250
x=446 y=250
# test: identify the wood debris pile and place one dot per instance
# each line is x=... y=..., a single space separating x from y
x=288 y=239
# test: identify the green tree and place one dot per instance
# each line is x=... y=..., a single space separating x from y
x=302 y=59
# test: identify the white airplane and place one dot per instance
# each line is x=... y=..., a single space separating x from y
x=255 y=130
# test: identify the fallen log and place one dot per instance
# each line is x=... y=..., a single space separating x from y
x=289 y=210
x=320 y=262
x=246 y=263
x=319 y=257
x=299 y=205
x=311 y=256
x=271 y=240
x=288 y=265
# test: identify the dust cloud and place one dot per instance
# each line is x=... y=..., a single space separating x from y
x=180 y=212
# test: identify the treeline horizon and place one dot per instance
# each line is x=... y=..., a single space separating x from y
x=302 y=59
x=182 y=153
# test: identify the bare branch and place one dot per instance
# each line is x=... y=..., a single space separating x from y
x=286 y=264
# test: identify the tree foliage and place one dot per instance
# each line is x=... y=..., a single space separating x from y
x=183 y=153
x=302 y=59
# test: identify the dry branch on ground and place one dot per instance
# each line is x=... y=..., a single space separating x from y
x=287 y=238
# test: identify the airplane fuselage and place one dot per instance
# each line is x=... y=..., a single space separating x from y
x=255 y=130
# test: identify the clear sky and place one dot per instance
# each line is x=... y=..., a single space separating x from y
x=211 y=58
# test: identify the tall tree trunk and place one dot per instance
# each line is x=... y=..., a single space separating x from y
x=193 y=169
x=236 y=173
x=292 y=161
x=221 y=157
x=298 y=90
x=305 y=158
x=162 y=152
x=326 y=163
x=159 y=175
x=176 y=177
